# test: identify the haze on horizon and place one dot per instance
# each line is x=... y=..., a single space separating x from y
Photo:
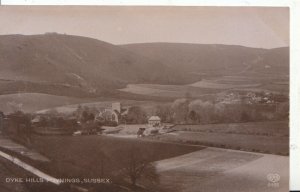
x=260 y=27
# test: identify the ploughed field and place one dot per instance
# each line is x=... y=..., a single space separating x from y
x=216 y=170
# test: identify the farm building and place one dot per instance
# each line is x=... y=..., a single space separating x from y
x=154 y=121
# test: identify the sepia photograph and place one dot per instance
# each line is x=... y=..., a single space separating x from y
x=144 y=98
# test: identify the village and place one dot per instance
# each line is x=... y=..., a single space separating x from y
x=135 y=120
x=85 y=121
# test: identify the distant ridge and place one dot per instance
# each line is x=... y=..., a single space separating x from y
x=215 y=58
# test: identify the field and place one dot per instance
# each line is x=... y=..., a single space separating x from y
x=217 y=170
x=208 y=87
x=182 y=164
x=98 y=156
x=30 y=102
x=264 y=137
x=270 y=128
x=221 y=84
x=173 y=91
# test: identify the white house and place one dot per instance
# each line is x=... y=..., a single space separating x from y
x=154 y=121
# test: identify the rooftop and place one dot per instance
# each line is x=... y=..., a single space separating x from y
x=154 y=118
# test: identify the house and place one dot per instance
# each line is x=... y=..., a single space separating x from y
x=154 y=121
x=113 y=114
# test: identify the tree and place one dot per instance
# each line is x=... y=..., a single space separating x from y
x=165 y=113
x=136 y=166
x=136 y=115
x=181 y=109
x=203 y=111
x=20 y=126
x=194 y=117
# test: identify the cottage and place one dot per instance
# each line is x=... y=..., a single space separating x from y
x=154 y=121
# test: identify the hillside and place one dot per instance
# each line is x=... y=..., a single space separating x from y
x=76 y=63
x=208 y=60
x=76 y=66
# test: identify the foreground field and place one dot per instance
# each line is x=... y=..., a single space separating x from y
x=99 y=156
x=217 y=170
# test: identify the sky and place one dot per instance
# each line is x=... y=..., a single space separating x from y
x=262 y=27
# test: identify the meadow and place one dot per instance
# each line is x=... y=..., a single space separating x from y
x=263 y=137
x=211 y=86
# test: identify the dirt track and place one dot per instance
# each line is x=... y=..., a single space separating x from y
x=213 y=170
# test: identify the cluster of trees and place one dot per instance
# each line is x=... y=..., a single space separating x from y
x=19 y=127
x=57 y=122
x=85 y=114
x=136 y=115
x=184 y=111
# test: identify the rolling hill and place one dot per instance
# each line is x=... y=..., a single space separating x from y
x=74 y=66
x=75 y=63
x=216 y=59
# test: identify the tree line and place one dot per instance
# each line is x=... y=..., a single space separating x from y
x=186 y=111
